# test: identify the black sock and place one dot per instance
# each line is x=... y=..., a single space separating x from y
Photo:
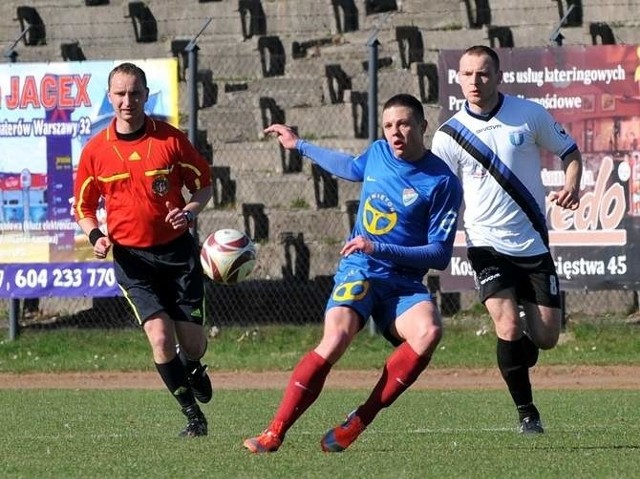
x=531 y=351
x=189 y=364
x=175 y=378
x=512 y=362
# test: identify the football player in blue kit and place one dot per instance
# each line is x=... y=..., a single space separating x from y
x=405 y=225
x=494 y=144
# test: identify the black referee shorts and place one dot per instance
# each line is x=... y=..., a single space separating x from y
x=166 y=277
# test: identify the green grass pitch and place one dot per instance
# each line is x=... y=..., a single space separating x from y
x=443 y=434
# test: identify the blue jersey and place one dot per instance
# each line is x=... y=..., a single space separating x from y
x=409 y=210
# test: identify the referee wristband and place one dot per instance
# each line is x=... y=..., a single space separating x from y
x=94 y=235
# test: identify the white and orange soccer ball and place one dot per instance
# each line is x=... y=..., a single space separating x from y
x=228 y=256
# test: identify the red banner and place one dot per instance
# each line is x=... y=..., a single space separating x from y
x=595 y=93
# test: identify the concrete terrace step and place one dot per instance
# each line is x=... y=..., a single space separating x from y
x=267 y=156
x=299 y=17
x=330 y=225
x=297 y=190
x=230 y=60
x=290 y=92
x=390 y=82
x=65 y=19
x=276 y=191
x=287 y=92
x=434 y=14
x=142 y=51
x=189 y=19
x=254 y=156
x=525 y=12
x=308 y=259
x=324 y=121
x=231 y=124
x=211 y=219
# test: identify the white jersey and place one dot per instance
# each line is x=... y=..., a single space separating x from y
x=498 y=160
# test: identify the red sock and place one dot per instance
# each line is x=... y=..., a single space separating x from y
x=303 y=389
x=400 y=371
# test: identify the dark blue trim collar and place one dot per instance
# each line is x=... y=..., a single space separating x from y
x=486 y=116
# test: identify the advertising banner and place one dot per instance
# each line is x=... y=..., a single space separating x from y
x=48 y=112
x=594 y=92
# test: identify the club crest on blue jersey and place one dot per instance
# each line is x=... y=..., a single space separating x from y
x=160 y=185
x=409 y=196
x=516 y=138
x=376 y=221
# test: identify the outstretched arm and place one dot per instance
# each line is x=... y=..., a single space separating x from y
x=335 y=162
x=285 y=134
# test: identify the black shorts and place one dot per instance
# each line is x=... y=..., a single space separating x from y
x=533 y=278
x=162 y=278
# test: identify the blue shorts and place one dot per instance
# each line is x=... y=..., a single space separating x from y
x=380 y=297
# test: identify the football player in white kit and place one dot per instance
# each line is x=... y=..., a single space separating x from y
x=493 y=144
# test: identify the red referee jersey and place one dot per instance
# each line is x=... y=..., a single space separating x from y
x=136 y=179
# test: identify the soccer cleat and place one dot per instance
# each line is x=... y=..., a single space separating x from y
x=268 y=441
x=197 y=425
x=200 y=384
x=339 y=438
x=197 y=376
x=531 y=425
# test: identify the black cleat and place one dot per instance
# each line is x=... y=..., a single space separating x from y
x=197 y=425
x=197 y=376
x=531 y=425
x=200 y=384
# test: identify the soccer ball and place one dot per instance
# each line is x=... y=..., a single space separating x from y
x=228 y=256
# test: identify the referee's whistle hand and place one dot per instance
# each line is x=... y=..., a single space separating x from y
x=102 y=248
x=175 y=217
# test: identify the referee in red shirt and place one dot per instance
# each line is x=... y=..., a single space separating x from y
x=139 y=166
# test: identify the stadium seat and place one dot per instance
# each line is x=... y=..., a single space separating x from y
x=325 y=187
x=410 y=44
x=601 y=31
x=207 y=89
x=346 y=15
x=500 y=37
x=72 y=52
x=574 y=17
x=337 y=81
x=379 y=6
x=145 y=25
x=478 y=13
x=178 y=51
x=272 y=56
x=253 y=18
x=428 y=82
x=30 y=19
x=270 y=111
x=256 y=222
x=360 y=114
x=296 y=255
x=224 y=188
